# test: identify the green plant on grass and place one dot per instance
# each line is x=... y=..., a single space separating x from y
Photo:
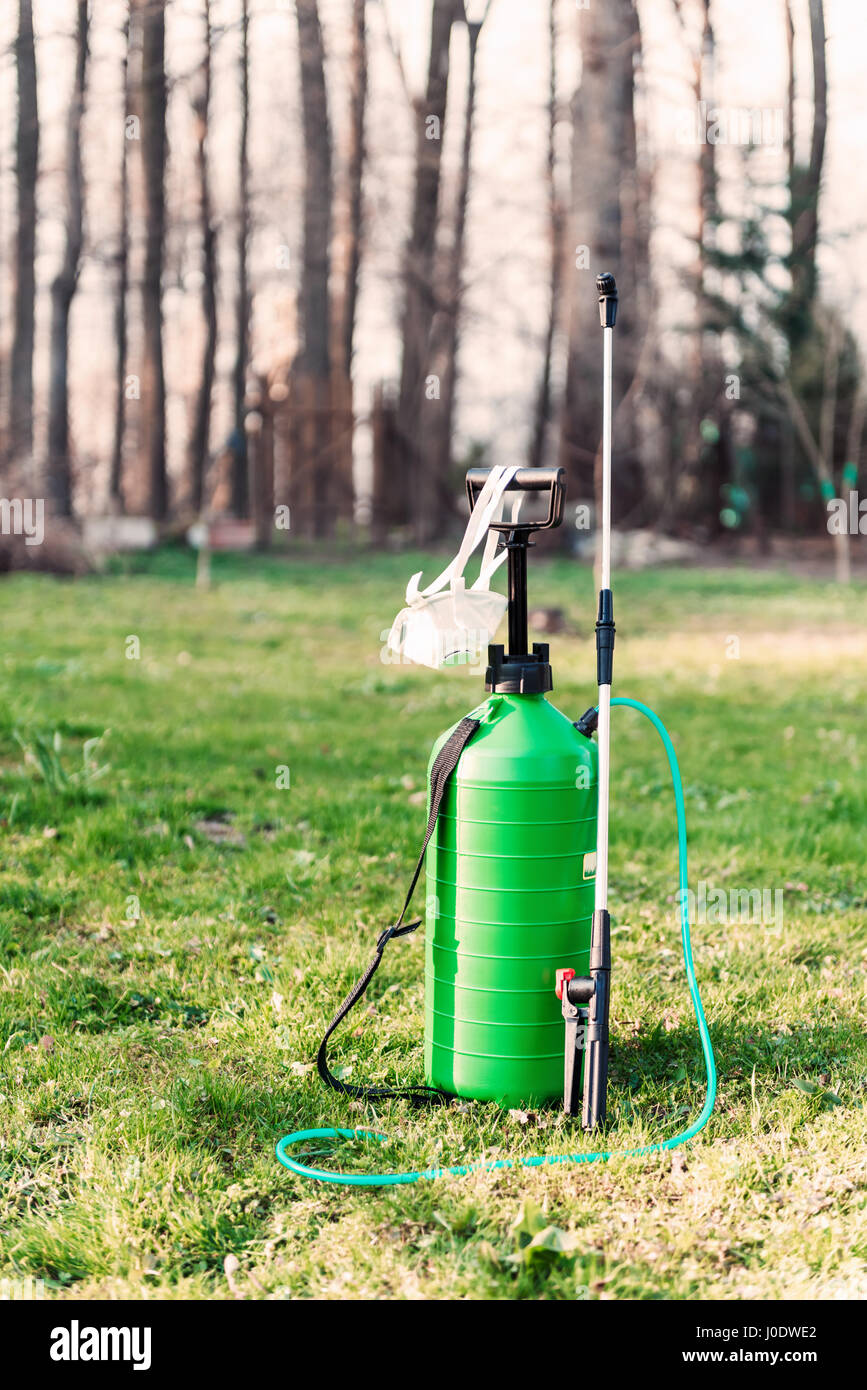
x=43 y=758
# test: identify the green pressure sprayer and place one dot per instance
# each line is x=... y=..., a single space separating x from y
x=518 y=943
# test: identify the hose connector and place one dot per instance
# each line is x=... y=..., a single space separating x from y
x=588 y=722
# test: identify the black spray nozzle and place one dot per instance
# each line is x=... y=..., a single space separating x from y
x=607 y=289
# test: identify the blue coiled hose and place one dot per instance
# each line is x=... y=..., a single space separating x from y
x=538 y=1161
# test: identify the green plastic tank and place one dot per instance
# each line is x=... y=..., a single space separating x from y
x=510 y=885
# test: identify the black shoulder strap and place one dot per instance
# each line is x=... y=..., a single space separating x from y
x=444 y=765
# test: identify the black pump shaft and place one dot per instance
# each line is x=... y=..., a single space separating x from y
x=517 y=543
x=516 y=538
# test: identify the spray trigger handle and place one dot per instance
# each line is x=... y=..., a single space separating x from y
x=572 y=991
x=584 y=1003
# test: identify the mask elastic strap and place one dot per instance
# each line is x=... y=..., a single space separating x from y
x=486 y=512
x=480 y=518
x=491 y=561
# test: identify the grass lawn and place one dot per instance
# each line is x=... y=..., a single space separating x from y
x=176 y=928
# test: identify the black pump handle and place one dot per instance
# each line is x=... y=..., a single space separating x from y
x=551 y=480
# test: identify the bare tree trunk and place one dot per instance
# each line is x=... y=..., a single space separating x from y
x=350 y=238
x=120 y=323
x=313 y=362
x=354 y=179
x=24 y=289
x=260 y=439
x=799 y=309
x=823 y=472
x=542 y=407
x=698 y=485
x=855 y=434
x=411 y=486
x=709 y=385
x=240 y=481
x=805 y=188
x=605 y=231
x=436 y=440
x=314 y=355
x=153 y=141
x=830 y=375
x=854 y=439
x=200 y=438
x=787 y=475
x=787 y=448
x=790 y=91
x=66 y=281
x=827 y=418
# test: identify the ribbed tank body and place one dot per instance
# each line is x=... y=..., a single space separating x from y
x=510 y=883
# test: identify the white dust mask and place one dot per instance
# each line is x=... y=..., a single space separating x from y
x=447 y=622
